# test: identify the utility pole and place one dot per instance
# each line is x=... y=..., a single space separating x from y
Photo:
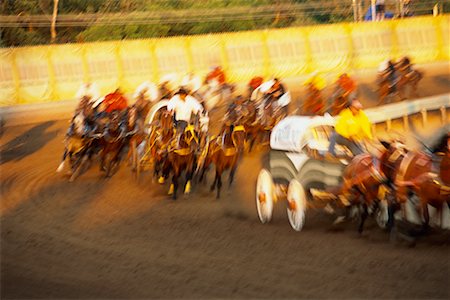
x=374 y=10
x=53 y=26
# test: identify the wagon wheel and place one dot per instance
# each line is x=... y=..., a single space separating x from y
x=296 y=202
x=264 y=196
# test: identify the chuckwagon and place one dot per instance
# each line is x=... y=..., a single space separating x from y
x=297 y=167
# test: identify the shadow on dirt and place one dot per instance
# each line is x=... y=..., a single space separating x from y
x=27 y=143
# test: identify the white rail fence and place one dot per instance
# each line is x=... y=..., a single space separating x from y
x=404 y=109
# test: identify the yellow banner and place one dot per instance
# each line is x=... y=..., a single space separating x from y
x=55 y=72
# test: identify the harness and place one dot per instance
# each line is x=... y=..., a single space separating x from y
x=185 y=151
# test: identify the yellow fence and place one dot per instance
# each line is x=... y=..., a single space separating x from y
x=52 y=73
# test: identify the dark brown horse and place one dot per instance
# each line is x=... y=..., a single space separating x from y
x=136 y=117
x=114 y=139
x=224 y=152
x=181 y=157
x=161 y=134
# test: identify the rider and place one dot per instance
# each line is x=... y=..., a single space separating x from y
x=192 y=83
x=275 y=92
x=346 y=85
x=236 y=111
x=166 y=86
x=352 y=126
x=86 y=94
x=182 y=106
x=216 y=74
x=387 y=70
x=254 y=83
x=314 y=103
x=115 y=101
x=147 y=90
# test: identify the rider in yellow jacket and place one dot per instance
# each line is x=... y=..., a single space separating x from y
x=352 y=127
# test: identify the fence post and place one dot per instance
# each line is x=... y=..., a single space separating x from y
x=388 y=124
x=405 y=122
x=16 y=76
x=443 y=115
x=423 y=112
x=51 y=74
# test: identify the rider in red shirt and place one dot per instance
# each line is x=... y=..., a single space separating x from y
x=115 y=101
x=216 y=74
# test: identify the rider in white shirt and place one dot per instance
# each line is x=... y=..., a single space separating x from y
x=148 y=90
x=182 y=107
x=89 y=90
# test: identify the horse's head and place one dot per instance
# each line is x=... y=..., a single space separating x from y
x=114 y=121
x=78 y=123
x=166 y=120
x=362 y=172
x=132 y=116
x=390 y=158
x=238 y=137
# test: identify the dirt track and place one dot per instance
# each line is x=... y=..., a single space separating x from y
x=117 y=238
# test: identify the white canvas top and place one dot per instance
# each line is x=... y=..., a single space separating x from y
x=293 y=132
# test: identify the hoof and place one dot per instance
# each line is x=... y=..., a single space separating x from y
x=60 y=167
x=171 y=189
x=161 y=180
x=339 y=220
x=187 y=189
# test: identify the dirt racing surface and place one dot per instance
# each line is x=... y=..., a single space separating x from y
x=123 y=238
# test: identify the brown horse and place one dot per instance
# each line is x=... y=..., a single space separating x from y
x=362 y=182
x=181 y=156
x=113 y=141
x=136 y=117
x=386 y=90
x=157 y=141
x=409 y=78
x=224 y=152
x=427 y=177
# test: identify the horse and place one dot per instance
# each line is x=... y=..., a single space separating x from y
x=136 y=117
x=181 y=156
x=390 y=161
x=361 y=186
x=267 y=116
x=224 y=152
x=78 y=143
x=388 y=89
x=409 y=78
x=161 y=135
x=426 y=176
x=113 y=142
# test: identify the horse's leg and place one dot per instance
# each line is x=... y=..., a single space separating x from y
x=189 y=175
x=174 y=186
x=219 y=183
x=232 y=172
x=364 y=215
x=61 y=165
x=426 y=215
x=213 y=186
